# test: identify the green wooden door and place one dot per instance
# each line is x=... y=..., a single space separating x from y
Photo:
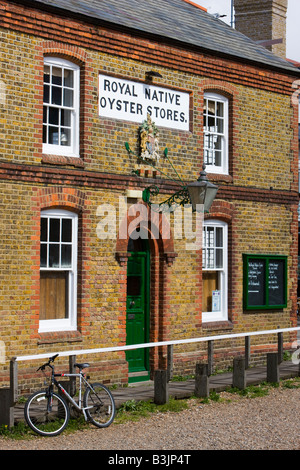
x=137 y=317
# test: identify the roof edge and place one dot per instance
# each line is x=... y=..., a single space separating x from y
x=195 y=5
x=142 y=33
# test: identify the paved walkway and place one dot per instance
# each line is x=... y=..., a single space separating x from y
x=218 y=383
x=145 y=390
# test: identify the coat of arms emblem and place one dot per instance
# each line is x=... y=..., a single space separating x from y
x=149 y=140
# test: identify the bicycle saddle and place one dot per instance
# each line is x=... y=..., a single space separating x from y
x=82 y=366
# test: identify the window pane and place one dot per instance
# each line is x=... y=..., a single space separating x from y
x=54 y=230
x=68 y=98
x=66 y=256
x=66 y=230
x=218 y=159
x=68 y=78
x=210 y=236
x=45 y=115
x=220 y=109
x=53 y=135
x=211 y=123
x=219 y=237
x=47 y=74
x=56 y=95
x=217 y=142
x=45 y=140
x=211 y=107
x=220 y=126
x=210 y=253
x=46 y=93
x=65 y=118
x=219 y=258
x=56 y=76
x=43 y=256
x=54 y=116
x=53 y=256
x=44 y=229
x=65 y=138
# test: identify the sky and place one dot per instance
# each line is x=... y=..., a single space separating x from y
x=223 y=7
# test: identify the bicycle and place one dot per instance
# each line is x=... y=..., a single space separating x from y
x=47 y=413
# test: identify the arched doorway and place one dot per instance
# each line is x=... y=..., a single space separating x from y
x=145 y=252
x=138 y=308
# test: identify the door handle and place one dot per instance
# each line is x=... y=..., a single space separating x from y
x=132 y=303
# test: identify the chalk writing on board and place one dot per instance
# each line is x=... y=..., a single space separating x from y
x=256 y=276
x=276 y=282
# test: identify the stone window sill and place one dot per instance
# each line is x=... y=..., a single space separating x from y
x=60 y=337
x=218 y=325
x=63 y=160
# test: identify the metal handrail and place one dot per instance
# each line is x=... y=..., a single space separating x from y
x=156 y=344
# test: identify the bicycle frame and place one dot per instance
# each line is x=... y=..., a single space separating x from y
x=82 y=379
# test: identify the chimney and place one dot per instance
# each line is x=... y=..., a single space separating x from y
x=264 y=21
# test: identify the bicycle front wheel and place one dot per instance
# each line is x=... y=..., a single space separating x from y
x=99 y=405
x=46 y=415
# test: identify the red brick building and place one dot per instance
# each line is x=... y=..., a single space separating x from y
x=77 y=83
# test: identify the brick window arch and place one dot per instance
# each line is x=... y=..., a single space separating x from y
x=63 y=208
x=217 y=139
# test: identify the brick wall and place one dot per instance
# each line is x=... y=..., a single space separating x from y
x=258 y=199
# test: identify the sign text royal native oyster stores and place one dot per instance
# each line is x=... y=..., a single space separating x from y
x=132 y=101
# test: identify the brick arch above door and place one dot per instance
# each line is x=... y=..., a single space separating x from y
x=159 y=233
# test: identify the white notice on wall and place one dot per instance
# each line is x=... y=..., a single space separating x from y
x=216 y=300
x=133 y=101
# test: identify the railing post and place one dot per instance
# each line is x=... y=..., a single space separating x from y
x=272 y=368
x=170 y=362
x=280 y=347
x=9 y=396
x=239 y=373
x=72 y=360
x=210 y=356
x=161 y=387
x=201 y=381
x=247 y=351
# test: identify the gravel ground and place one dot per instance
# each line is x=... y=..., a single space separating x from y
x=265 y=423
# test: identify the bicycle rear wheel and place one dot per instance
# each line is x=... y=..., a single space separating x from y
x=100 y=405
x=46 y=418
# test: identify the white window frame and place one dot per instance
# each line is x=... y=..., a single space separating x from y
x=213 y=134
x=73 y=149
x=70 y=323
x=222 y=314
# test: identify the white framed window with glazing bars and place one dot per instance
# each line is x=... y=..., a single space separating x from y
x=61 y=107
x=58 y=270
x=215 y=127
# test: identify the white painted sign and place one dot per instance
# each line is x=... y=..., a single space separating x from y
x=216 y=300
x=132 y=101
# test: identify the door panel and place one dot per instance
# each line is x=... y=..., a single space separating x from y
x=137 y=318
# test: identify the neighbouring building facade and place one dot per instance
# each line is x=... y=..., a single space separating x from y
x=91 y=96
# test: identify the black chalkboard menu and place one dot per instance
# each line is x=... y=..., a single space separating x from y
x=265 y=281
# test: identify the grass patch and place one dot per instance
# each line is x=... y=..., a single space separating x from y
x=133 y=410
x=291 y=383
x=22 y=431
x=254 y=391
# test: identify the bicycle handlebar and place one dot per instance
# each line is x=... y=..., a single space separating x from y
x=51 y=359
